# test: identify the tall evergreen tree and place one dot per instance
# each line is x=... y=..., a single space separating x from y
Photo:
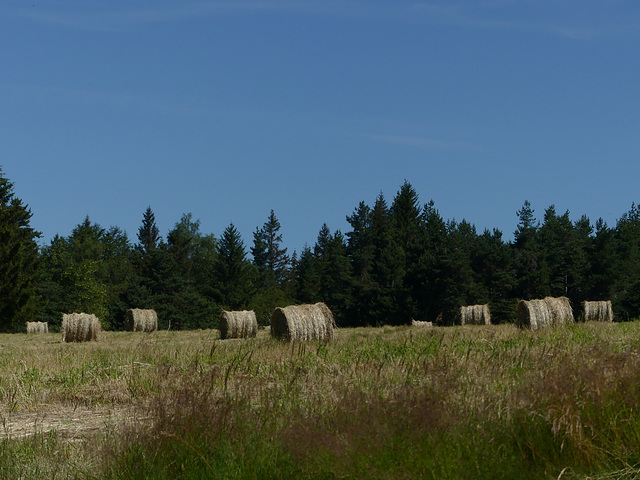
x=388 y=267
x=492 y=264
x=361 y=251
x=89 y=271
x=233 y=273
x=627 y=285
x=269 y=255
x=430 y=283
x=190 y=294
x=603 y=261
x=307 y=277
x=148 y=233
x=19 y=272
x=530 y=268
x=334 y=269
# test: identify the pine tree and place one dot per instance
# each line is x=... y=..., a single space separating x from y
x=334 y=269
x=19 y=268
x=148 y=233
x=604 y=263
x=408 y=233
x=530 y=268
x=431 y=280
x=307 y=275
x=269 y=255
x=234 y=275
x=361 y=250
x=90 y=271
x=627 y=285
x=388 y=268
x=492 y=263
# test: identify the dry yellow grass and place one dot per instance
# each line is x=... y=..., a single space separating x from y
x=45 y=383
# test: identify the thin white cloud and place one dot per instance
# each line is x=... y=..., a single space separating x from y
x=106 y=17
x=92 y=99
x=573 y=19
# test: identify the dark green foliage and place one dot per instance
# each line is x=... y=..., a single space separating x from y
x=394 y=264
x=361 y=251
x=234 y=275
x=530 y=269
x=492 y=263
x=269 y=255
x=19 y=270
x=89 y=272
x=307 y=277
x=148 y=233
x=180 y=277
x=388 y=268
x=334 y=268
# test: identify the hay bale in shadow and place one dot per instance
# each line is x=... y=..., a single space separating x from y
x=141 y=320
x=597 y=311
x=550 y=311
x=238 y=324
x=303 y=323
x=80 y=327
x=420 y=323
x=475 y=315
x=37 y=327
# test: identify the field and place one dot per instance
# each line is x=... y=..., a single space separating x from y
x=393 y=402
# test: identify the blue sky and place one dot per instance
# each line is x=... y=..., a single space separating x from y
x=228 y=109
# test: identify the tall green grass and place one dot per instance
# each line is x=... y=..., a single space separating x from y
x=431 y=403
x=442 y=404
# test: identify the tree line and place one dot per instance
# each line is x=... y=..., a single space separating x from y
x=399 y=260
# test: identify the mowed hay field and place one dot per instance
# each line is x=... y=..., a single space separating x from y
x=393 y=402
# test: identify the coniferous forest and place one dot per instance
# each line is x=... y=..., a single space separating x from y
x=399 y=260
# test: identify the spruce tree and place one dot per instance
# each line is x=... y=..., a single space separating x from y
x=627 y=245
x=19 y=272
x=361 y=250
x=529 y=263
x=90 y=271
x=334 y=268
x=492 y=264
x=269 y=255
x=307 y=277
x=148 y=233
x=234 y=275
x=408 y=233
x=388 y=268
x=431 y=279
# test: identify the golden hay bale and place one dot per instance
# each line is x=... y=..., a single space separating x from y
x=80 y=327
x=475 y=315
x=37 y=327
x=550 y=311
x=303 y=322
x=238 y=324
x=597 y=311
x=420 y=323
x=141 y=320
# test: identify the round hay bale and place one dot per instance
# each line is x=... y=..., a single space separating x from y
x=80 y=327
x=303 y=323
x=550 y=311
x=420 y=323
x=141 y=320
x=597 y=311
x=238 y=324
x=475 y=315
x=37 y=327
